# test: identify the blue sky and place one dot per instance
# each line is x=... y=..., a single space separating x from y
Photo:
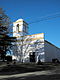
x=33 y=10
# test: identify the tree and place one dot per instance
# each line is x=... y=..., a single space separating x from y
x=5 y=39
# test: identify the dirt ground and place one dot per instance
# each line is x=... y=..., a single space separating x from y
x=25 y=68
x=41 y=77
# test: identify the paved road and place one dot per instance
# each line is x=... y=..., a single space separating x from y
x=38 y=75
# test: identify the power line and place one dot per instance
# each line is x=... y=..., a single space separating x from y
x=46 y=18
x=43 y=18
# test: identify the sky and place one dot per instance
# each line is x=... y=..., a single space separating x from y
x=33 y=11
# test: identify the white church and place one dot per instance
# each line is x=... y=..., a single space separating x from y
x=32 y=48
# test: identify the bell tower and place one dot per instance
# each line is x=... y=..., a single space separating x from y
x=20 y=28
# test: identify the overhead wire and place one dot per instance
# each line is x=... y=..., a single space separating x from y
x=46 y=18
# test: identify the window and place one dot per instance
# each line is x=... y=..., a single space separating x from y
x=18 y=27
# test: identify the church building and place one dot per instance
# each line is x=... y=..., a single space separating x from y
x=32 y=48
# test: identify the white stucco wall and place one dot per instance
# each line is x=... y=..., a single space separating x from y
x=31 y=43
x=51 y=52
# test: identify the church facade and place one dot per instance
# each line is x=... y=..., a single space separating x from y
x=32 y=48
